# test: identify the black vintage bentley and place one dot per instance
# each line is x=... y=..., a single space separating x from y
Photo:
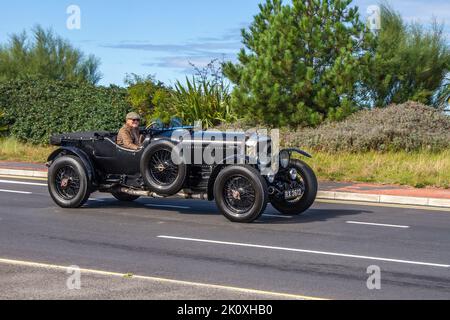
x=241 y=182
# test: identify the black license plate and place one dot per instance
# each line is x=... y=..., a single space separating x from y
x=292 y=194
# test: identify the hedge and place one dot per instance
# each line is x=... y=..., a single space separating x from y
x=410 y=126
x=36 y=109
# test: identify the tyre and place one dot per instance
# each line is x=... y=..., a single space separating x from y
x=124 y=197
x=160 y=173
x=68 y=184
x=307 y=179
x=240 y=193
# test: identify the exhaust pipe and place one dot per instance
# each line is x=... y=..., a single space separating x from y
x=183 y=195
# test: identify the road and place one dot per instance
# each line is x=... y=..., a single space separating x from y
x=184 y=249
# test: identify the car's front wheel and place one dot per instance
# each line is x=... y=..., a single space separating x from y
x=301 y=177
x=68 y=183
x=240 y=193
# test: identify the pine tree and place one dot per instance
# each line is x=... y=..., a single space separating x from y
x=301 y=63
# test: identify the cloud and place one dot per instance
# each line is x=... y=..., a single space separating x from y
x=184 y=63
x=199 y=51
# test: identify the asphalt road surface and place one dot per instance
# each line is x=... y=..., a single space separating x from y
x=184 y=249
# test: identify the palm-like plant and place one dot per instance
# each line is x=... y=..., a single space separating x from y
x=203 y=100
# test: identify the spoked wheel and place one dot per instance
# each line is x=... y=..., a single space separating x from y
x=304 y=181
x=159 y=171
x=162 y=168
x=68 y=183
x=240 y=193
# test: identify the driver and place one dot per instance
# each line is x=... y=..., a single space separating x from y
x=129 y=136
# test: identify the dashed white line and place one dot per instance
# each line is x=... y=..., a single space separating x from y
x=378 y=224
x=344 y=255
x=15 y=191
x=24 y=183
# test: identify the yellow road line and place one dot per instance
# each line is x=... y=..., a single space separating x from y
x=162 y=280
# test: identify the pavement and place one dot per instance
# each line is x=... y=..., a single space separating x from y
x=184 y=249
x=365 y=192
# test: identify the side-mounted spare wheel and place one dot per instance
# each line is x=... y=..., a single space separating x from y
x=241 y=193
x=68 y=182
x=161 y=175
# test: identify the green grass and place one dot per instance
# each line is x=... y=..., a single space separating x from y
x=13 y=150
x=418 y=169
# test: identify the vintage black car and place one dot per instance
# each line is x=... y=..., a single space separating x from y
x=241 y=183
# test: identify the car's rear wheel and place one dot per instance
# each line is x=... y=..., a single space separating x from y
x=240 y=193
x=159 y=171
x=68 y=183
x=124 y=196
x=306 y=180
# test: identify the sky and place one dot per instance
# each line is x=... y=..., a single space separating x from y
x=162 y=38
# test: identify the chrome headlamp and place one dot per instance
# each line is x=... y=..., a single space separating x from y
x=285 y=158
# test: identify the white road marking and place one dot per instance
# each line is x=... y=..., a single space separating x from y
x=378 y=224
x=98 y=200
x=14 y=191
x=24 y=183
x=161 y=280
x=166 y=206
x=429 y=264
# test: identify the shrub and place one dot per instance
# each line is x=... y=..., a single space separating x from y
x=410 y=127
x=206 y=98
x=142 y=90
x=48 y=56
x=36 y=109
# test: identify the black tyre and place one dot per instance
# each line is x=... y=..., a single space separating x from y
x=124 y=197
x=158 y=170
x=305 y=177
x=240 y=193
x=68 y=183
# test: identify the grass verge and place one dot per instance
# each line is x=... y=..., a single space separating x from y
x=13 y=150
x=418 y=169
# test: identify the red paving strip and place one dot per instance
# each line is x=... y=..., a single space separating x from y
x=391 y=190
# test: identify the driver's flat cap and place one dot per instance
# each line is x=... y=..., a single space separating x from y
x=133 y=116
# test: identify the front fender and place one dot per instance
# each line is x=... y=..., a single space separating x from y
x=296 y=150
x=88 y=165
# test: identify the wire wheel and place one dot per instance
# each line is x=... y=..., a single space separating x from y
x=239 y=194
x=67 y=182
x=162 y=169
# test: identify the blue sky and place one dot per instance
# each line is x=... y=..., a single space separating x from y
x=162 y=37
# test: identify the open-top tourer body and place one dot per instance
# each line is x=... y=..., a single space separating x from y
x=235 y=175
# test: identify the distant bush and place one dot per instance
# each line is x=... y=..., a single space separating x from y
x=409 y=127
x=36 y=109
x=205 y=97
